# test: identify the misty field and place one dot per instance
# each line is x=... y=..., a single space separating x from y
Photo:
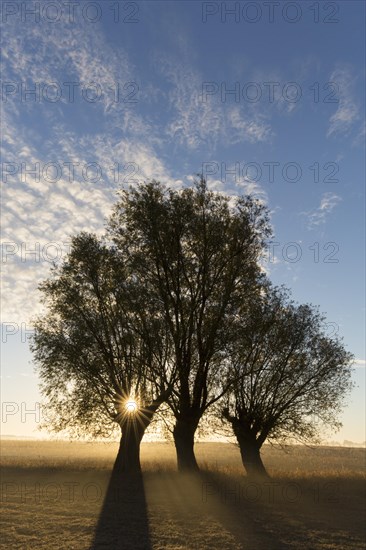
x=61 y=495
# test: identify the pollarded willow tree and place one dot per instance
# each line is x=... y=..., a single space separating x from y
x=289 y=378
x=101 y=350
x=197 y=254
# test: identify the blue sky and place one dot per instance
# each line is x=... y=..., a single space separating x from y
x=268 y=100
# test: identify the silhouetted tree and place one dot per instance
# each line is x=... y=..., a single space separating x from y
x=97 y=351
x=197 y=254
x=289 y=377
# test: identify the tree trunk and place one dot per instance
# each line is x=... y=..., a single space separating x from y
x=184 y=444
x=133 y=428
x=250 y=455
x=128 y=457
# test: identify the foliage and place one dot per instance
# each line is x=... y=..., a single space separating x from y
x=92 y=349
x=198 y=256
x=289 y=377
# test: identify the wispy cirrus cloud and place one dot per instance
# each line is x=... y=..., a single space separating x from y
x=40 y=211
x=347 y=112
x=202 y=119
x=241 y=127
x=66 y=55
x=37 y=209
x=319 y=215
x=193 y=122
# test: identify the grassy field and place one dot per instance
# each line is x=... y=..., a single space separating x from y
x=61 y=495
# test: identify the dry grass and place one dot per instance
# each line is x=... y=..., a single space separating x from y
x=54 y=493
x=294 y=460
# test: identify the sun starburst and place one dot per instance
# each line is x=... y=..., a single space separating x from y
x=131 y=406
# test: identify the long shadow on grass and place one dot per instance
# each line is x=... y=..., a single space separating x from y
x=238 y=508
x=123 y=521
